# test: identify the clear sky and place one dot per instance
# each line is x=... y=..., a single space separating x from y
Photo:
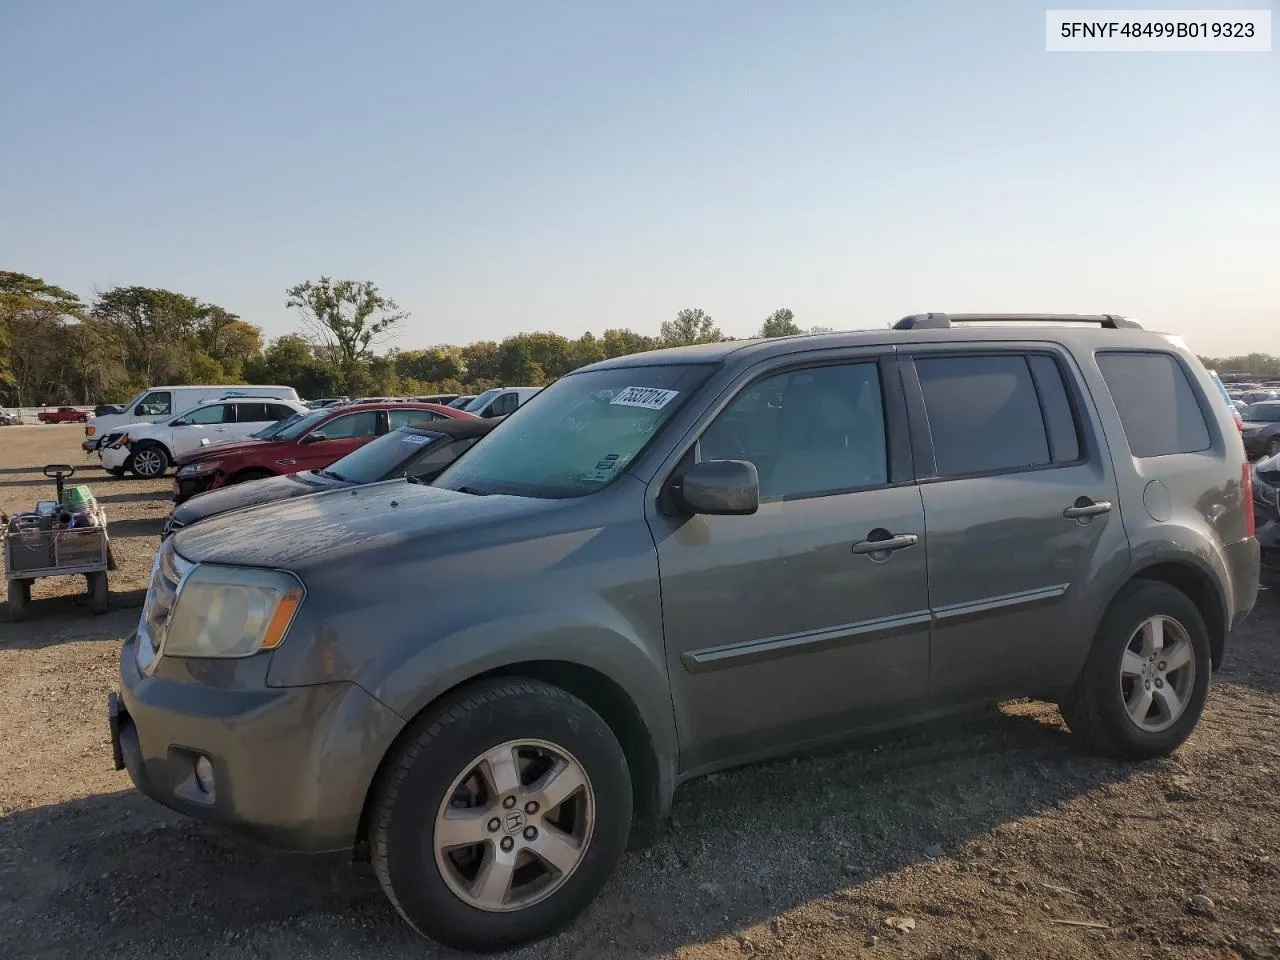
x=552 y=165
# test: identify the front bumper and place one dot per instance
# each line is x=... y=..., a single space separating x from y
x=114 y=458
x=292 y=765
x=184 y=488
x=90 y=444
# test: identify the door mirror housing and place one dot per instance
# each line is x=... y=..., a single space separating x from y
x=314 y=437
x=180 y=423
x=720 y=488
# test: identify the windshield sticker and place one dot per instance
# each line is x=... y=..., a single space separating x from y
x=650 y=398
x=608 y=463
x=414 y=438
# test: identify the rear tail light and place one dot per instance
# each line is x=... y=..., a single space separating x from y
x=1246 y=490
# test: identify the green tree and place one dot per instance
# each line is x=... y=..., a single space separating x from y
x=780 y=323
x=691 y=325
x=516 y=366
x=347 y=316
x=620 y=342
x=480 y=361
x=155 y=330
x=33 y=315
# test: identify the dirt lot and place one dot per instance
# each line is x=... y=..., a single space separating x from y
x=993 y=836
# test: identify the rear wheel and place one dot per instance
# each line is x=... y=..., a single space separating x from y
x=19 y=599
x=1144 y=686
x=98 y=591
x=149 y=461
x=501 y=815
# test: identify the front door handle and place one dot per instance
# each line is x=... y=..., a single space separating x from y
x=1084 y=508
x=885 y=543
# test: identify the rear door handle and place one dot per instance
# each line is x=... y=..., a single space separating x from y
x=887 y=544
x=1084 y=508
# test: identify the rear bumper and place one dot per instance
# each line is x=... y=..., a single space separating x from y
x=1243 y=563
x=291 y=765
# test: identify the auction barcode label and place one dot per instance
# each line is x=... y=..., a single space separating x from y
x=1154 y=31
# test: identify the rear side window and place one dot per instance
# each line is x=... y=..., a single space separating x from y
x=410 y=418
x=989 y=414
x=253 y=413
x=1156 y=402
x=278 y=411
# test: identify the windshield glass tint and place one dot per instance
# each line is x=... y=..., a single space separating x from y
x=1262 y=412
x=380 y=459
x=578 y=434
x=482 y=401
x=292 y=428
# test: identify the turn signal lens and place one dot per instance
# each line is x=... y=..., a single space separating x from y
x=281 y=619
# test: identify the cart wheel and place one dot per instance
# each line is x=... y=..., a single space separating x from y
x=19 y=599
x=97 y=591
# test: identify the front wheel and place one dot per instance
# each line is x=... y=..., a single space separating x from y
x=148 y=462
x=1146 y=680
x=501 y=815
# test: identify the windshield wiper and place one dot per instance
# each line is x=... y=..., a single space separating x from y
x=332 y=475
x=472 y=491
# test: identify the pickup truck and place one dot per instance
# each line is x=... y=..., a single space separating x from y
x=63 y=415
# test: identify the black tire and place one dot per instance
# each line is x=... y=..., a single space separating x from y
x=157 y=464
x=99 y=592
x=437 y=748
x=19 y=599
x=1094 y=707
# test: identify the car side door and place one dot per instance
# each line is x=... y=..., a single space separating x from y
x=789 y=626
x=209 y=422
x=337 y=437
x=1019 y=497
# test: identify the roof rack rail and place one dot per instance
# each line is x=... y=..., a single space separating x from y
x=943 y=321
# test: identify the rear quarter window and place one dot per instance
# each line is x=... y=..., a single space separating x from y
x=1156 y=402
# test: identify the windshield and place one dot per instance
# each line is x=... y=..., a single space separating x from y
x=291 y=428
x=578 y=434
x=379 y=459
x=1262 y=412
x=482 y=401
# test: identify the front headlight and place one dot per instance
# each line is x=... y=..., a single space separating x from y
x=199 y=469
x=231 y=612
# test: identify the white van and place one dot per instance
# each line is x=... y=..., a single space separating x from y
x=156 y=402
x=500 y=401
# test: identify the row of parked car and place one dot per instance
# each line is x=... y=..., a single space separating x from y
x=148 y=437
x=488 y=651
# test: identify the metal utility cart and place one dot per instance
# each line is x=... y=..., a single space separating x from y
x=63 y=537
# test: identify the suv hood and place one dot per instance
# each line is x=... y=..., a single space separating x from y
x=309 y=531
x=241 y=495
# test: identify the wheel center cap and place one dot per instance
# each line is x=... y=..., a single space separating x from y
x=513 y=822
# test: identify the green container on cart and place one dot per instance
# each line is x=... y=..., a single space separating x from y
x=78 y=498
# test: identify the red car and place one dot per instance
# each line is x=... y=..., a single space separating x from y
x=309 y=441
x=63 y=415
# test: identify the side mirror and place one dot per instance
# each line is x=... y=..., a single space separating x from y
x=315 y=437
x=720 y=487
x=179 y=423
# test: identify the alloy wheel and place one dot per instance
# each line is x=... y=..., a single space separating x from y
x=147 y=463
x=514 y=825
x=1157 y=674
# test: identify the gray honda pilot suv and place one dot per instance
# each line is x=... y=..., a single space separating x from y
x=675 y=562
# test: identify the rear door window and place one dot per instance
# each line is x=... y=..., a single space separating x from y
x=985 y=415
x=410 y=418
x=1156 y=402
x=253 y=413
x=278 y=411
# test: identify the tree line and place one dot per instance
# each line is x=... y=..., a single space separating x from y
x=56 y=348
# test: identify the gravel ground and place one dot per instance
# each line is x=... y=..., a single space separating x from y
x=988 y=838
